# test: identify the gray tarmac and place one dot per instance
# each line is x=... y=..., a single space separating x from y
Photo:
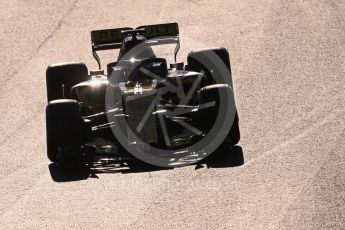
x=288 y=63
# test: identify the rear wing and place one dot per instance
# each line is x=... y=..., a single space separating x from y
x=107 y=39
x=160 y=30
x=167 y=33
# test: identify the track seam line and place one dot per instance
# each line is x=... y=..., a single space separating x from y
x=57 y=28
x=45 y=40
x=294 y=139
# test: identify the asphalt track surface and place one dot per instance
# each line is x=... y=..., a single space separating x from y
x=288 y=62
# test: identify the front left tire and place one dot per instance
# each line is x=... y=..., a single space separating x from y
x=60 y=78
x=64 y=126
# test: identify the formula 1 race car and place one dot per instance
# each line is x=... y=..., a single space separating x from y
x=93 y=116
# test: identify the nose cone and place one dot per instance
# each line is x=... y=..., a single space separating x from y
x=91 y=92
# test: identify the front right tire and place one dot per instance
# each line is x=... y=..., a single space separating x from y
x=197 y=61
x=208 y=116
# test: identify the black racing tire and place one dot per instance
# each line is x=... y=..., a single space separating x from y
x=64 y=126
x=208 y=94
x=60 y=78
x=196 y=59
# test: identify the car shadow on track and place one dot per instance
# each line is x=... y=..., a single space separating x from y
x=224 y=158
x=219 y=159
x=82 y=173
